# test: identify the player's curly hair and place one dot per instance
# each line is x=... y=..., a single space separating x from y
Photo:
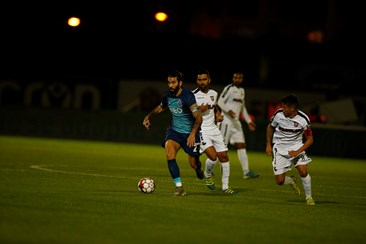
x=178 y=74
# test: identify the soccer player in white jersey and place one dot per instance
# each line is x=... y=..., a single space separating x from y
x=232 y=105
x=212 y=141
x=285 y=143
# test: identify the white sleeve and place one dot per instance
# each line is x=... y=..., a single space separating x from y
x=246 y=115
x=245 y=111
x=221 y=102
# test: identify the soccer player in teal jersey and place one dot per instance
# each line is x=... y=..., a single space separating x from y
x=183 y=131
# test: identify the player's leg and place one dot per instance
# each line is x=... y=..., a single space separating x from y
x=222 y=154
x=171 y=149
x=172 y=146
x=209 y=165
x=302 y=167
x=195 y=163
x=193 y=154
x=238 y=139
x=207 y=147
x=281 y=165
x=225 y=169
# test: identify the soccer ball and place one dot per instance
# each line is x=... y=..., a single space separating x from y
x=146 y=185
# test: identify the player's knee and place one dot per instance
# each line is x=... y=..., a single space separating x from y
x=280 y=181
x=223 y=158
x=213 y=157
x=240 y=145
x=303 y=174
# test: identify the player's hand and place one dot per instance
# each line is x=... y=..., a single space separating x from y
x=191 y=141
x=292 y=154
x=146 y=123
x=203 y=107
x=232 y=113
x=219 y=117
x=269 y=150
x=252 y=126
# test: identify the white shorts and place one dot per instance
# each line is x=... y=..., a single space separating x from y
x=282 y=162
x=232 y=131
x=214 y=138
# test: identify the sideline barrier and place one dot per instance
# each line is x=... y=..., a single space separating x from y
x=330 y=141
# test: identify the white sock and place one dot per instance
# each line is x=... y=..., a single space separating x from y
x=225 y=167
x=243 y=158
x=306 y=183
x=209 y=167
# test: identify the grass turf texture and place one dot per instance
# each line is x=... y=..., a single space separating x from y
x=68 y=191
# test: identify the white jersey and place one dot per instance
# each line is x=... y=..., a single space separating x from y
x=210 y=132
x=233 y=98
x=288 y=132
x=208 y=117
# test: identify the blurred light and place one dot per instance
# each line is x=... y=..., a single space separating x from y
x=73 y=21
x=315 y=36
x=161 y=17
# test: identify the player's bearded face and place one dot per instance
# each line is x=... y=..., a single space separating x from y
x=174 y=90
x=174 y=86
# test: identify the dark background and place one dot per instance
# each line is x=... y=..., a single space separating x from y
x=118 y=39
x=63 y=82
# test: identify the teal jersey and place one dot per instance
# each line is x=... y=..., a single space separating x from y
x=182 y=119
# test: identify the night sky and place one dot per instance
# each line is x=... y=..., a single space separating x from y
x=120 y=39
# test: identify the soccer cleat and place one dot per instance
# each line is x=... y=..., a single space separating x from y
x=295 y=186
x=230 y=192
x=179 y=191
x=251 y=175
x=200 y=174
x=210 y=183
x=310 y=201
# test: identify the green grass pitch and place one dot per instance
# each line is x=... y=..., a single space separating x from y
x=69 y=191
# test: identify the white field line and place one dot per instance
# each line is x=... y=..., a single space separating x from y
x=47 y=169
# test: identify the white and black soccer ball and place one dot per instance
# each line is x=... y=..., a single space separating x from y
x=146 y=185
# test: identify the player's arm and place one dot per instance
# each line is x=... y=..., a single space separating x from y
x=221 y=102
x=251 y=124
x=157 y=110
x=309 y=140
x=218 y=116
x=203 y=107
x=217 y=109
x=196 y=126
x=269 y=136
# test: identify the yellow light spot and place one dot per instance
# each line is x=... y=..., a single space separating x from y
x=73 y=21
x=161 y=17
